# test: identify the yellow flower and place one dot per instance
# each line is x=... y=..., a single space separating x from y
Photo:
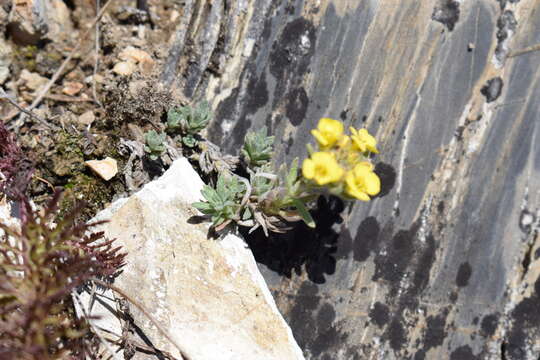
x=363 y=141
x=328 y=132
x=362 y=182
x=344 y=142
x=323 y=168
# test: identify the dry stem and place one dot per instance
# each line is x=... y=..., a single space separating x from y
x=146 y=313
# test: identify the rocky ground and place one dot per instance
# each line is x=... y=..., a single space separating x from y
x=445 y=263
x=103 y=101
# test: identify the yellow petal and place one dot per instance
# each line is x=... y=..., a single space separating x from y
x=325 y=168
x=353 y=189
x=308 y=169
x=364 y=166
x=321 y=139
x=373 y=183
x=331 y=126
x=344 y=141
x=369 y=141
x=349 y=180
x=336 y=173
x=362 y=196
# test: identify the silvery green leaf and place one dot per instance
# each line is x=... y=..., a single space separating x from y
x=247 y=214
x=293 y=174
x=189 y=141
x=258 y=147
x=304 y=213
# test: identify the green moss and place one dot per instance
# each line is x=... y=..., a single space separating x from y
x=95 y=192
x=26 y=56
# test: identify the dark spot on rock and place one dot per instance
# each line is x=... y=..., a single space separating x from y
x=353 y=353
x=459 y=133
x=366 y=239
x=380 y=119
x=506 y=22
x=345 y=244
x=402 y=254
x=327 y=339
x=379 y=314
x=301 y=315
x=395 y=333
x=387 y=174
x=492 y=90
x=425 y=261
x=343 y=115
x=525 y=324
x=293 y=49
x=537 y=254
x=392 y=260
x=290 y=9
x=257 y=94
x=511 y=351
x=308 y=294
x=453 y=296
x=297 y=104
x=267 y=29
x=326 y=315
x=240 y=129
x=447 y=13
x=489 y=324
x=462 y=353
x=463 y=275
x=440 y=207
x=475 y=320
x=420 y=355
x=434 y=333
x=328 y=334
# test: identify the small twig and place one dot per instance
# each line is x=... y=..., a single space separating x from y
x=5 y=96
x=45 y=181
x=59 y=71
x=266 y=175
x=524 y=51
x=146 y=313
x=246 y=196
x=94 y=330
x=66 y=98
x=96 y=62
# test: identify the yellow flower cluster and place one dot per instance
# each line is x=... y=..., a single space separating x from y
x=342 y=162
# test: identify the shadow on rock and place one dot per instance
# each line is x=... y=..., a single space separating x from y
x=314 y=248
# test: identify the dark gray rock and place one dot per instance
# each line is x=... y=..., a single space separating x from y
x=442 y=264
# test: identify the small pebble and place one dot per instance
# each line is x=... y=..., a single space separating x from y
x=106 y=168
x=72 y=88
x=124 y=68
x=87 y=118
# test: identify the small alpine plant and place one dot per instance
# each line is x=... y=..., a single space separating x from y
x=274 y=197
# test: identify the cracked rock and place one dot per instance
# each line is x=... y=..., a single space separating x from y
x=209 y=295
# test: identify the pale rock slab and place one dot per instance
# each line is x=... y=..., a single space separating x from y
x=105 y=168
x=207 y=293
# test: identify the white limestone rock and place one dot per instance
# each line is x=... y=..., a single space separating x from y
x=106 y=168
x=208 y=294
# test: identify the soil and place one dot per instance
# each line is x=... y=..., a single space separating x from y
x=128 y=99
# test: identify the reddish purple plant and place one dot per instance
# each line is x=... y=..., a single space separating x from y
x=15 y=169
x=40 y=265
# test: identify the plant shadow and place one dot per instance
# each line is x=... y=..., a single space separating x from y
x=302 y=248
